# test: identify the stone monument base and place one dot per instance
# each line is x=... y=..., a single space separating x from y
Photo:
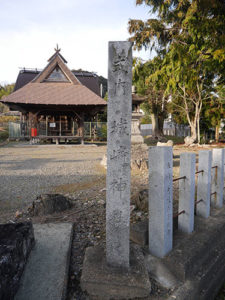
x=103 y=282
x=137 y=139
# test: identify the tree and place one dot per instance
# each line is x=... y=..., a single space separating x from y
x=190 y=84
x=214 y=111
x=190 y=36
x=5 y=91
x=176 y=20
x=153 y=87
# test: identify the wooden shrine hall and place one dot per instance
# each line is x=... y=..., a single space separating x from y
x=55 y=102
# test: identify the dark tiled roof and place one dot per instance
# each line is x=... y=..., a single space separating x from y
x=24 y=77
x=90 y=80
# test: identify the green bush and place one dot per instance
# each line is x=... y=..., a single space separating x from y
x=4 y=134
x=6 y=119
x=102 y=133
x=146 y=120
x=176 y=140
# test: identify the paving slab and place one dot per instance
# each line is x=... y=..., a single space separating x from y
x=46 y=272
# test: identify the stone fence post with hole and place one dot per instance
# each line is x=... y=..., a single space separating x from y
x=193 y=197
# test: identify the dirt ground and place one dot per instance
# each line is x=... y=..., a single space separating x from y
x=74 y=171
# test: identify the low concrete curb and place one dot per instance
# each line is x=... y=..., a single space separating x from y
x=46 y=273
x=195 y=268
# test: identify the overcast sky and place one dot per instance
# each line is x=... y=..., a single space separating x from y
x=30 y=29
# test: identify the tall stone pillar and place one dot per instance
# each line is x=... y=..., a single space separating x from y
x=187 y=192
x=204 y=183
x=108 y=272
x=160 y=200
x=217 y=178
x=118 y=154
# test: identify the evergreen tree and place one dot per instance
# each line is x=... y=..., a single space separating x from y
x=154 y=88
x=190 y=37
x=5 y=91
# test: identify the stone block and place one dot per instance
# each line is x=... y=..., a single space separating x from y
x=46 y=273
x=204 y=183
x=104 y=282
x=160 y=272
x=48 y=204
x=137 y=139
x=187 y=192
x=16 y=242
x=139 y=233
x=217 y=178
x=160 y=200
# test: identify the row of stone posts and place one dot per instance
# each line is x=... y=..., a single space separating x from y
x=210 y=190
x=210 y=173
x=118 y=270
x=210 y=181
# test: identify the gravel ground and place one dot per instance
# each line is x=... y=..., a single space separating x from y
x=27 y=171
x=72 y=170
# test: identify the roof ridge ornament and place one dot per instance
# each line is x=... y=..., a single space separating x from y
x=57 y=49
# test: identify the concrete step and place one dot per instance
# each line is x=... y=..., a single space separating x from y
x=191 y=252
x=203 y=287
x=214 y=284
x=46 y=273
x=211 y=268
x=198 y=259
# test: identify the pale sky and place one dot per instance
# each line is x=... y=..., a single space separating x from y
x=30 y=30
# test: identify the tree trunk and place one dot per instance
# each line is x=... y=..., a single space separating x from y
x=161 y=122
x=198 y=128
x=191 y=139
x=193 y=132
x=157 y=125
x=217 y=133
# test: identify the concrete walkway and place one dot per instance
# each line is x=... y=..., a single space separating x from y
x=46 y=273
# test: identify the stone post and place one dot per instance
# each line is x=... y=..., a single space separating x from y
x=217 y=178
x=187 y=192
x=204 y=183
x=160 y=200
x=118 y=154
x=224 y=174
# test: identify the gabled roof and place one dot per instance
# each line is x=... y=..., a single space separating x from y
x=56 y=61
x=67 y=92
x=57 y=53
x=56 y=93
x=90 y=80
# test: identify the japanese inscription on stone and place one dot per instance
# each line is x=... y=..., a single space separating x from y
x=118 y=153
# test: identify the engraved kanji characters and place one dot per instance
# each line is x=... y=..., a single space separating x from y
x=120 y=127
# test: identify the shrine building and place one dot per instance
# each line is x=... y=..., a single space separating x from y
x=55 y=102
